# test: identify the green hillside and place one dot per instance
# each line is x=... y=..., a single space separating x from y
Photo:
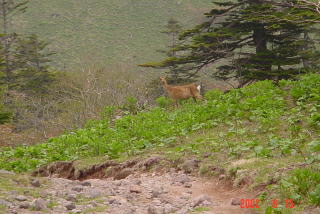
x=106 y=32
x=264 y=136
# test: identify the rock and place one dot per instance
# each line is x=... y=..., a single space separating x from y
x=235 y=201
x=38 y=204
x=70 y=206
x=94 y=193
x=110 y=192
x=123 y=173
x=222 y=177
x=71 y=197
x=190 y=165
x=183 y=178
x=136 y=182
x=156 y=192
x=24 y=205
x=4 y=203
x=156 y=210
x=200 y=200
x=187 y=185
x=21 y=198
x=2 y=171
x=35 y=183
x=86 y=183
x=77 y=188
x=135 y=189
x=151 y=161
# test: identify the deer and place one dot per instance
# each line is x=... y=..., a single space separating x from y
x=180 y=92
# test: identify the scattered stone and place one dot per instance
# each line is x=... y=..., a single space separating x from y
x=70 y=206
x=35 y=183
x=2 y=171
x=71 y=197
x=86 y=183
x=190 y=165
x=200 y=200
x=183 y=178
x=136 y=182
x=38 y=204
x=4 y=203
x=187 y=185
x=235 y=201
x=77 y=188
x=156 y=210
x=95 y=193
x=135 y=189
x=21 y=198
x=156 y=192
x=151 y=161
x=24 y=205
x=222 y=177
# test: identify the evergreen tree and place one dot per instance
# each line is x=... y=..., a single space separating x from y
x=173 y=28
x=251 y=39
x=175 y=74
x=32 y=60
x=8 y=8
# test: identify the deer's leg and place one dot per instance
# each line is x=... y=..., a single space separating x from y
x=176 y=103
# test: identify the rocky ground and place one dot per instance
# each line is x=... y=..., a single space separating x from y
x=133 y=187
x=146 y=193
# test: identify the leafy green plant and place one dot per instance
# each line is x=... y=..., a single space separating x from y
x=164 y=102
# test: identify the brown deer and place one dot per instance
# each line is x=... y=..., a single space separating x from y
x=182 y=91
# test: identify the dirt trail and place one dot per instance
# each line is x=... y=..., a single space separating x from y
x=139 y=193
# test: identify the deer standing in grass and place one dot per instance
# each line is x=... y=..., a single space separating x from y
x=181 y=92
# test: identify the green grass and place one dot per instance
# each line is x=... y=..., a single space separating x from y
x=264 y=133
x=108 y=32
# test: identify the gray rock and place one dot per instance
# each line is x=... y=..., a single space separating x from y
x=86 y=183
x=77 y=188
x=183 y=178
x=135 y=189
x=94 y=193
x=39 y=204
x=71 y=197
x=35 y=183
x=222 y=177
x=110 y=192
x=200 y=200
x=21 y=198
x=235 y=201
x=187 y=185
x=136 y=182
x=156 y=192
x=70 y=206
x=156 y=210
x=2 y=171
x=4 y=203
x=190 y=165
x=24 y=205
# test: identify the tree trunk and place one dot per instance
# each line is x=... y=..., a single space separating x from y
x=260 y=41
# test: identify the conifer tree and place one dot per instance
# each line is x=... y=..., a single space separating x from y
x=175 y=74
x=32 y=60
x=8 y=8
x=251 y=40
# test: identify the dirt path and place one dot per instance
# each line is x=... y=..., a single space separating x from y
x=140 y=193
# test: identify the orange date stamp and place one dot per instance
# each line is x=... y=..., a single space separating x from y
x=254 y=203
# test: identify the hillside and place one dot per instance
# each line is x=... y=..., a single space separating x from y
x=106 y=33
x=263 y=137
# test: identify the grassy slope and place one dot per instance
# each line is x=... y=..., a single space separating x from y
x=261 y=136
x=108 y=32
